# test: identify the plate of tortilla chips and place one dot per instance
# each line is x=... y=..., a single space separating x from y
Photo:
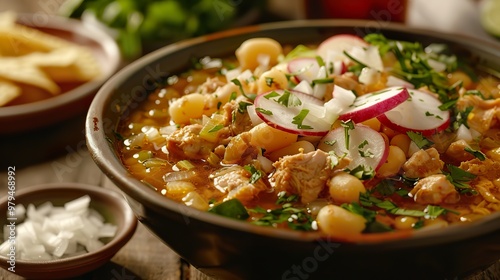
x=50 y=69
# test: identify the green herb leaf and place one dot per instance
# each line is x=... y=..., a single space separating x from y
x=477 y=154
x=256 y=173
x=295 y=218
x=299 y=119
x=216 y=128
x=264 y=111
x=232 y=208
x=419 y=140
x=269 y=81
x=361 y=172
x=460 y=179
x=347 y=125
x=238 y=83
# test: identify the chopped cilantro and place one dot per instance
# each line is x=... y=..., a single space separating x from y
x=264 y=111
x=269 y=81
x=216 y=128
x=256 y=173
x=361 y=172
x=347 y=125
x=299 y=119
x=460 y=179
x=295 y=218
x=419 y=140
x=238 y=83
x=232 y=208
x=476 y=153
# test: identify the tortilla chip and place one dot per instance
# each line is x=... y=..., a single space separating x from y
x=8 y=92
x=18 y=71
x=16 y=39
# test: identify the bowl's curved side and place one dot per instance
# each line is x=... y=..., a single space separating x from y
x=25 y=117
x=231 y=249
x=109 y=203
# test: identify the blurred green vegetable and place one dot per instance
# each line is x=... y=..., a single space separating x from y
x=139 y=23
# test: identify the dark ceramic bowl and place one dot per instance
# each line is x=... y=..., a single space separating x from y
x=232 y=249
x=110 y=204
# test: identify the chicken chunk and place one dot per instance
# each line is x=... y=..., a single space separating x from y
x=434 y=189
x=456 y=151
x=235 y=182
x=304 y=174
x=239 y=150
x=239 y=120
x=423 y=163
x=488 y=168
x=186 y=142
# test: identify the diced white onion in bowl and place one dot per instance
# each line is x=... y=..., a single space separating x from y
x=50 y=232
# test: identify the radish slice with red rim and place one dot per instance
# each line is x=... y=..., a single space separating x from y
x=293 y=112
x=374 y=104
x=420 y=113
x=363 y=145
x=332 y=49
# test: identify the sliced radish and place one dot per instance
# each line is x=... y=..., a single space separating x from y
x=281 y=115
x=397 y=82
x=420 y=113
x=304 y=69
x=374 y=104
x=364 y=146
x=332 y=49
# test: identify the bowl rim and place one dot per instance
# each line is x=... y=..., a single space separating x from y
x=72 y=26
x=104 y=156
x=123 y=234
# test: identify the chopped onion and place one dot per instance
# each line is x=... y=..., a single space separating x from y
x=50 y=232
x=179 y=175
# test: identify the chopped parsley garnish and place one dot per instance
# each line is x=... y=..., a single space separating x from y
x=419 y=140
x=216 y=128
x=477 y=154
x=269 y=81
x=272 y=94
x=295 y=218
x=288 y=99
x=347 y=125
x=264 y=111
x=365 y=153
x=299 y=119
x=250 y=96
x=460 y=179
x=232 y=208
x=322 y=81
x=361 y=172
x=330 y=143
x=242 y=106
x=461 y=118
x=256 y=173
